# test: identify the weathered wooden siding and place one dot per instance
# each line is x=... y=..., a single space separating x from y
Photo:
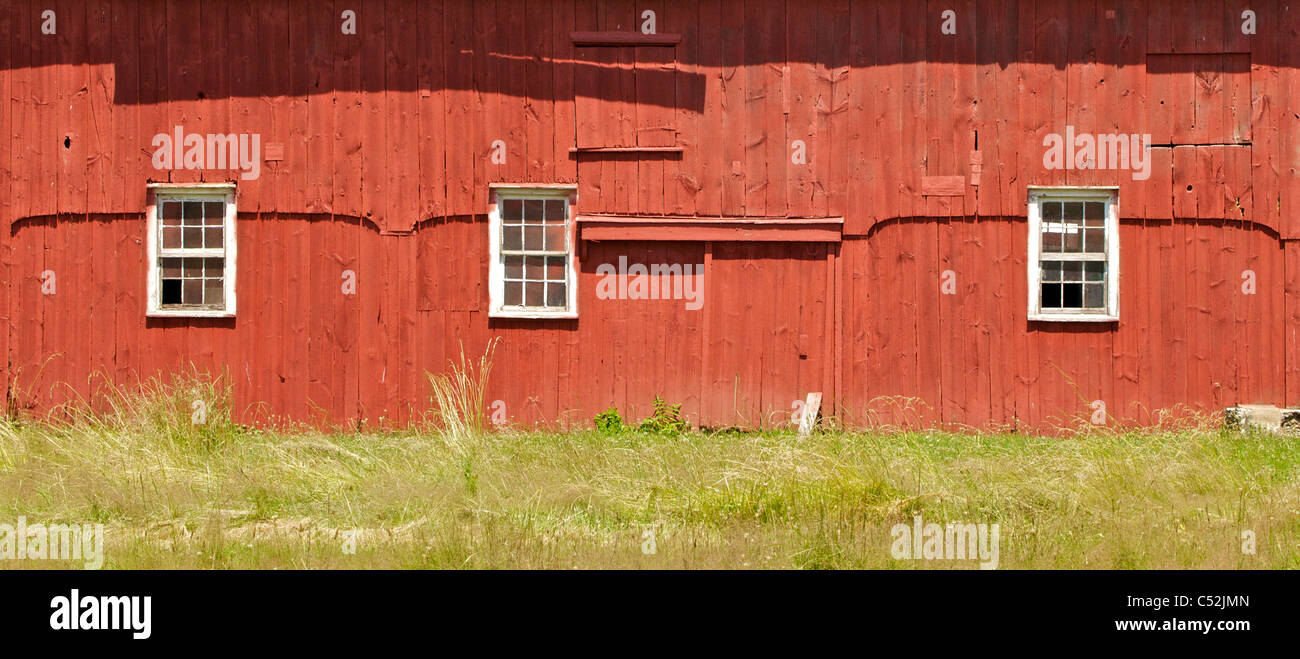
x=387 y=140
x=1186 y=335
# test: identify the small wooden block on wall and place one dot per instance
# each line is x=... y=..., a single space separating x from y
x=943 y=186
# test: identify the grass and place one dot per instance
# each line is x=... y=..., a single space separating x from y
x=459 y=398
x=174 y=494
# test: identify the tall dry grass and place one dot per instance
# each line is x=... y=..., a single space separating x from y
x=460 y=395
x=174 y=495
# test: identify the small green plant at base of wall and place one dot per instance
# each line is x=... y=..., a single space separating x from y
x=664 y=419
x=610 y=422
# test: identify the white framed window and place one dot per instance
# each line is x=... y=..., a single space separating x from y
x=190 y=232
x=533 y=271
x=1073 y=254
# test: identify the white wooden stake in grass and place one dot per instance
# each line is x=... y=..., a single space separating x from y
x=810 y=408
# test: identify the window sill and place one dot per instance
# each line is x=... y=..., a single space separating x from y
x=1074 y=318
x=534 y=315
x=190 y=313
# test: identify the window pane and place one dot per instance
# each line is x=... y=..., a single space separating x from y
x=1073 y=212
x=214 y=238
x=1073 y=238
x=1052 y=211
x=213 y=267
x=555 y=295
x=1094 y=296
x=534 y=268
x=512 y=210
x=214 y=291
x=555 y=211
x=1094 y=271
x=1072 y=271
x=555 y=237
x=555 y=268
x=1051 y=296
x=171 y=238
x=1094 y=213
x=533 y=210
x=533 y=237
x=171 y=268
x=1051 y=239
x=1071 y=296
x=514 y=293
x=514 y=267
x=171 y=291
x=171 y=213
x=193 y=292
x=512 y=238
x=214 y=213
x=1051 y=271
x=193 y=213
x=1095 y=241
x=193 y=238
x=534 y=293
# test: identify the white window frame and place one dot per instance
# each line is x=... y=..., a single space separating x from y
x=203 y=192
x=496 y=269
x=1110 y=196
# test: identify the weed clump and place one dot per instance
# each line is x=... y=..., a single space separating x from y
x=610 y=422
x=664 y=419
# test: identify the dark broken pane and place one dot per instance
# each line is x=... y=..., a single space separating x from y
x=193 y=292
x=1051 y=211
x=533 y=210
x=1095 y=241
x=1051 y=271
x=171 y=268
x=533 y=237
x=534 y=268
x=214 y=213
x=214 y=291
x=171 y=291
x=193 y=213
x=555 y=295
x=214 y=238
x=555 y=237
x=512 y=210
x=171 y=238
x=534 y=293
x=1094 y=270
x=193 y=268
x=193 y=238
x=1051 y=296
x=514 y=266
x=514 y=293
x=555 y=212
x=512 y=238
x=1094 y=213
x=1094 y=296
x=1071 y=296
x=555 y=268
x=1072 y=271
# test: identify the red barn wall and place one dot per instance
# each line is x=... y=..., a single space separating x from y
x=387 y=140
